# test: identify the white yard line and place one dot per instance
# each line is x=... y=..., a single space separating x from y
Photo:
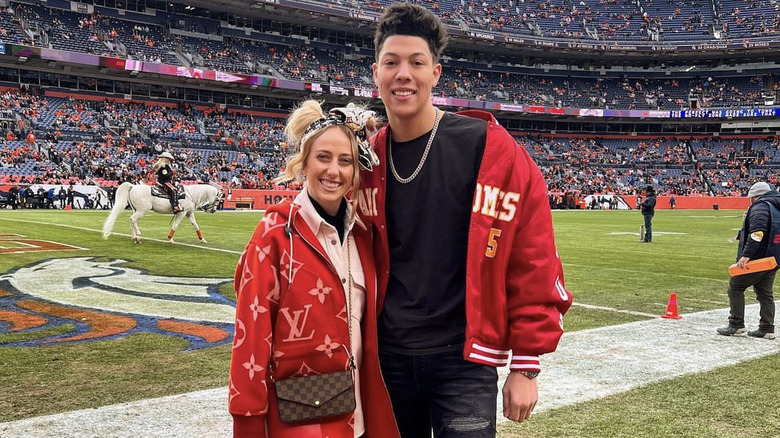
x=588 y=365
x=723 y=302
x=612 y=309
x=199 y=246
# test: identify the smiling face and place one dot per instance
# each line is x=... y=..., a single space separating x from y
x=405 y=74
x=330 y=168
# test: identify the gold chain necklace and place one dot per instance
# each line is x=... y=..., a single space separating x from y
x=398 y=178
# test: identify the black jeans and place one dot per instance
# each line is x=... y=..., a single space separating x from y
x=441 y=392
x=762 y=283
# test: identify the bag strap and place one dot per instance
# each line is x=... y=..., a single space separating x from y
x=349 y=302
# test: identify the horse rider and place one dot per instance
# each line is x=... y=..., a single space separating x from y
x=165 y=175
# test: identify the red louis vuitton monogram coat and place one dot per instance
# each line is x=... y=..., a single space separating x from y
x=280 y=302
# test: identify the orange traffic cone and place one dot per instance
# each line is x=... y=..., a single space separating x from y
x=68 y=207
x=671 y=308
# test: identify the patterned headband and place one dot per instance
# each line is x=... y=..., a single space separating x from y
x=355 y=119
x=320 y=124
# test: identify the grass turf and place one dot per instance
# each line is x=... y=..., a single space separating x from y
x=605 y=267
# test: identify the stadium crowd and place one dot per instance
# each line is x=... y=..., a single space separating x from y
x=53 y=140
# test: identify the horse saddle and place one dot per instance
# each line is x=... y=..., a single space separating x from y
x=159 y=191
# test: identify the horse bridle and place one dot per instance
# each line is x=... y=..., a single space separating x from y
x=211 y=207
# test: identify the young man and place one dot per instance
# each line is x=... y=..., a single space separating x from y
x=468 y=274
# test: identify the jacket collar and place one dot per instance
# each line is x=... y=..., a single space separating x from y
x=314 y=220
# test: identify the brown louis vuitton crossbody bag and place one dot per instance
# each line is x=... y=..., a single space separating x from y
x=315 y=396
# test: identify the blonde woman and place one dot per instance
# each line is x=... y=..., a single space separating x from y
x=305 y=288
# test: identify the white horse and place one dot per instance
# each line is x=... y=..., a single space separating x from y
x=139 y=197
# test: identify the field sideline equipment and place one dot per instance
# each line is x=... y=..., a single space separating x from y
x=757 y=265
x=671 y=308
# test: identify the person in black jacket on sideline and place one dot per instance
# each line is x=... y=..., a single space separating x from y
x=755 y=242
x=648 y=211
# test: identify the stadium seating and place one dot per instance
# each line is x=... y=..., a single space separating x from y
x=749 y=19
x=10 y=28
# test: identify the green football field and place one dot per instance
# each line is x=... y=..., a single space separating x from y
x=58 y=358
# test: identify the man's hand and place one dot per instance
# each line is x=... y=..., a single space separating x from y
x=520 y=396
x=743 y=262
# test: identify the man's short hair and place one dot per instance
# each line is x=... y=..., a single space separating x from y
x=411 y=20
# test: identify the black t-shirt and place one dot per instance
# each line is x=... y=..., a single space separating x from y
x=428 y=221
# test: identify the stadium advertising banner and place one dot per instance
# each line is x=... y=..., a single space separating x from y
x=17 y=50
x=256 y=199
x=325 y=9
x=636 y=114
x=449 y=101
x=288 y=84
x=528 y=109
x=2 y=48
x=616 y=46
x=314 y=87
x=71 y=57
x=366 y=93
x=113 y=63
x=53 y=55
x=189 y=72
x=724 y=113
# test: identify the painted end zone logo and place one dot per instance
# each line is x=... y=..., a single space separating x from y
x=15 y=244
x=98 y=300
